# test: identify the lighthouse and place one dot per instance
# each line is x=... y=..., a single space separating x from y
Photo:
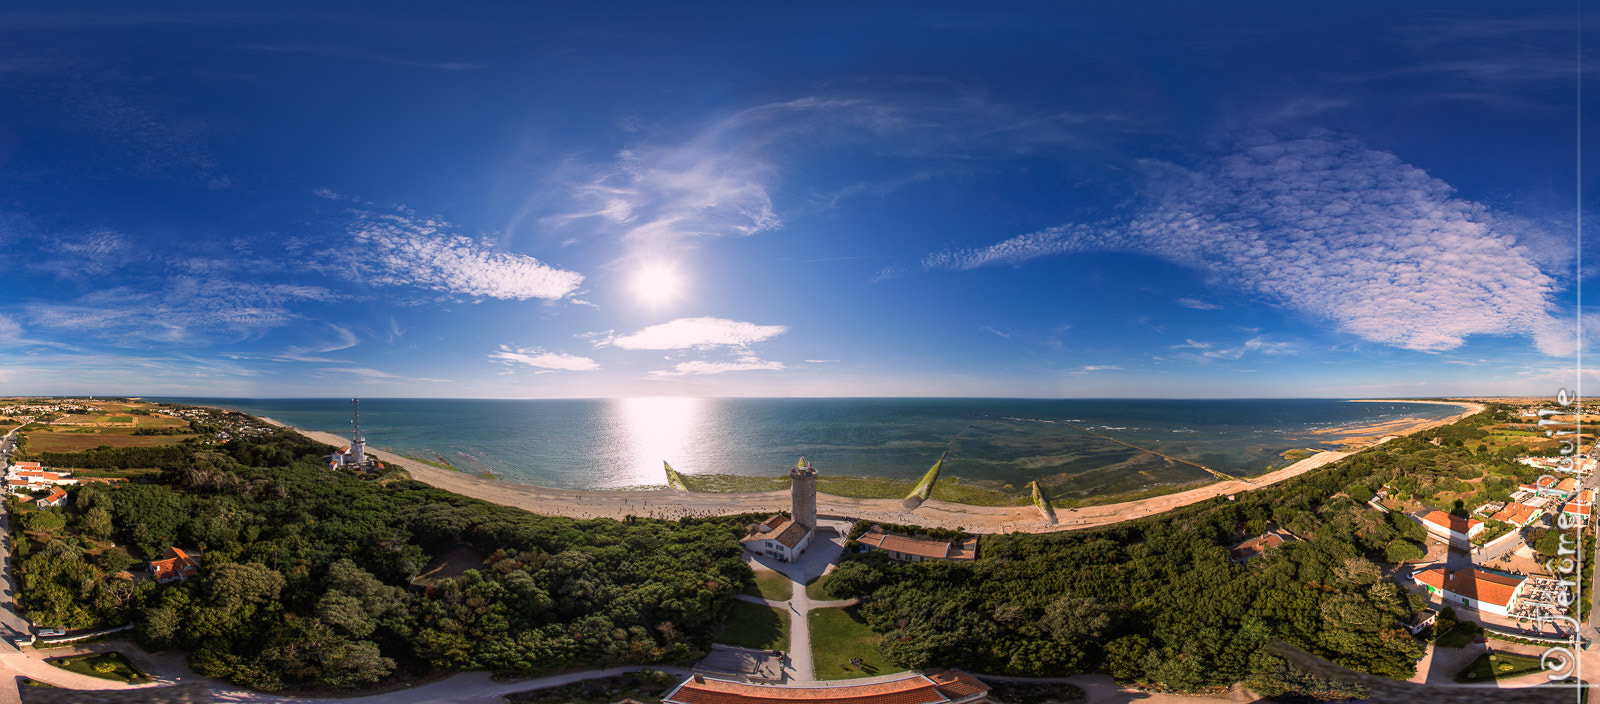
x=803 y=494
x=358 y=442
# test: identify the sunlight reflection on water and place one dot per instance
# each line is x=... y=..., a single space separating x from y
x=652 y=430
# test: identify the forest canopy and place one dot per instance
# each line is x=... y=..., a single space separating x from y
x=307 y=572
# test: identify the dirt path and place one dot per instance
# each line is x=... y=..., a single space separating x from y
x=668 y=504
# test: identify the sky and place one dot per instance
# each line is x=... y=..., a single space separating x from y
x=530 y=200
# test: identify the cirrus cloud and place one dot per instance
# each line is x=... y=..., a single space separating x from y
x=1326 y=226
x=546 y=361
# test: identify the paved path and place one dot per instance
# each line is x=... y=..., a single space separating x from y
x=826 y=546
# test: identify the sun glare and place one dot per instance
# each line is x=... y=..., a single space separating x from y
x=657 y=284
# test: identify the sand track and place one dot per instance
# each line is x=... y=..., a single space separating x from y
x=669 y=504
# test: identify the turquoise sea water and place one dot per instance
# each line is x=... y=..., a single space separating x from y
x=611 y=443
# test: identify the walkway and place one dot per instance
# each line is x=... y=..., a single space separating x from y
x=826 y=546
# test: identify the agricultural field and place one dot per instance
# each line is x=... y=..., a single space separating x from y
x=109 y=424
x=79 y=440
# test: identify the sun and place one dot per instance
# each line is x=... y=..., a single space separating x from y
x=657 y=284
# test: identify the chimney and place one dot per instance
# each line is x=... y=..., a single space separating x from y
x=699 y=678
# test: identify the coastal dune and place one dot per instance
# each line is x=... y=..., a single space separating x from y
x=668 y=504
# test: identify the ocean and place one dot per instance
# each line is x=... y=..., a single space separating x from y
x=998 y=443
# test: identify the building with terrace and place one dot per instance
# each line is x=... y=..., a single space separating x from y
x=1518 y=514
x=941 y=687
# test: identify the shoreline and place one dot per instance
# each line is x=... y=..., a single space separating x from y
x=669 y=504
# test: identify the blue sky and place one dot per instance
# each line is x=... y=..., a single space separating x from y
x=928 y=199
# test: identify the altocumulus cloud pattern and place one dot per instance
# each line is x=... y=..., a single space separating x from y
x=1326 y=226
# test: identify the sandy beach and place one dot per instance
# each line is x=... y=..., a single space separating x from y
x=669 y=504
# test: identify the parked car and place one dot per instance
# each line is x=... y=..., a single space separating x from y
x=47 y=632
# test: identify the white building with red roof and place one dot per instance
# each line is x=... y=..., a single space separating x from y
x=916 y=549
x=1475 y=588
x=1454 y=530
x=56 y=498
x=1581 y=506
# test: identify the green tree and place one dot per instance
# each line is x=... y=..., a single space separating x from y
x=1402 y=550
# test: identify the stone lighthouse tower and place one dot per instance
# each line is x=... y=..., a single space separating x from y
x=803 y=494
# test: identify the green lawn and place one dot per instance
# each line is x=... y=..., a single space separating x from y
x=110 y=666
x=1498 y=666
x=756 y=626
x=837 y=635
x=770 y=585
x=1459 y=636
x=818 y=592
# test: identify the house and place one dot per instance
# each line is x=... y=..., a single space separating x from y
x=56 y=497
x=942 y=687
x=1581 y=505
x=1518 y=515
x=175 y=564
x=909 y=549
x=1475 y=588
x=1422 y=619
x=24 y=465
x=779 y=536
x=1258 y=546
x=1454 y=530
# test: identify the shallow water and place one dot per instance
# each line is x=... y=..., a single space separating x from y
x=609 y=443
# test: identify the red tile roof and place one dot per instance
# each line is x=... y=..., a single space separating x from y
x=175 y=564
x=877 y=537
x=911 y=690
x=781 y=529
x=956 y=684
x=1255 y=546
x=1488 y=587
x=54 y=495
x=1454 y=523
x=1518 y=514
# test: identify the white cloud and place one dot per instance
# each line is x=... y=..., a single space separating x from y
x=743 y=364
x=399 y=249
x=1328 y=227
x=548 y=361
x=378 y=375
x=1198 y=304
x=1255 y=344
x=178 y=309
x=345 y=340
x=693 y=333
